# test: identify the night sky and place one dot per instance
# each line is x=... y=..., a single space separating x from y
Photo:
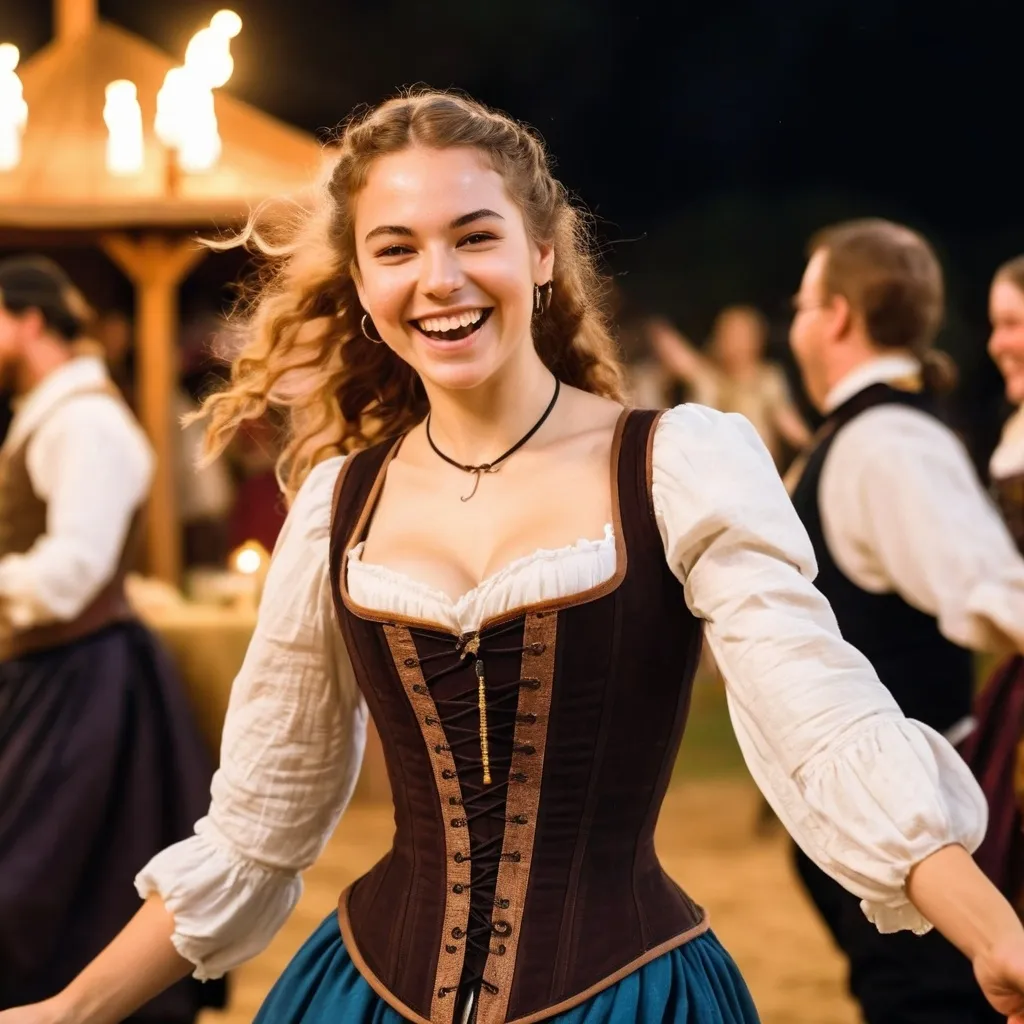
x=709 y=140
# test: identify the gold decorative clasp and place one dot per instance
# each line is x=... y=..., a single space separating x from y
x=469 y=645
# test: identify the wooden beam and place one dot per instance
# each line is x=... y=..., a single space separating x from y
x=73 y=18
x=156 y=265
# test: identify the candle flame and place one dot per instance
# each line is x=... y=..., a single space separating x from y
x=123 y=117
x=13 y=108
x=186 y=118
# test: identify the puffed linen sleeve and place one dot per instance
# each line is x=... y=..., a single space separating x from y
x=290 y=754
x=864 y=791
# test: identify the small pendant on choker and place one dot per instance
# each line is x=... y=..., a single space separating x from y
x=492 y=467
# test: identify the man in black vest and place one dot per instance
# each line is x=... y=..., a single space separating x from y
x=915 y=562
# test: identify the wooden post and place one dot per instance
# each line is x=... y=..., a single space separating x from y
x=156 y=266
x=73 y=18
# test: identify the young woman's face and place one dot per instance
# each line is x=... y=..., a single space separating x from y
x=445 y=268
x=1006 y=346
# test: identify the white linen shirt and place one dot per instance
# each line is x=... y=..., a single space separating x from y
x=91 y=463
x=903 y=511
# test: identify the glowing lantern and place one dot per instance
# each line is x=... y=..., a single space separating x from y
x=250 y=558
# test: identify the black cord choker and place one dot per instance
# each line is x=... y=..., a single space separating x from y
x=492 y=467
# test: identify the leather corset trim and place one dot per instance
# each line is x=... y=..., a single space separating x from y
x=533 y=1018
x=548 y=1012
x=378 y=986
x=456 y=916
x=649 y=465
x=613 y=979
x=539 y=637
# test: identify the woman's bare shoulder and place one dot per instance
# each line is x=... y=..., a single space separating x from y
x=588 y=411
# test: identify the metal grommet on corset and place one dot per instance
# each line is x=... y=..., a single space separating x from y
x=408 y=661
x=478 y=729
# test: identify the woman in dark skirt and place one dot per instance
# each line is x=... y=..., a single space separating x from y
x=530 y=687
x=995 y=750
x=101 y=765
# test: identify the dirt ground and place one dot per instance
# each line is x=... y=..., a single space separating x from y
x=706 y=841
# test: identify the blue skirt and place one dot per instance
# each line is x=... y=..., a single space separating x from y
x=696 y=983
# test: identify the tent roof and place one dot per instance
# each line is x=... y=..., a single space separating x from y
x=62 y=181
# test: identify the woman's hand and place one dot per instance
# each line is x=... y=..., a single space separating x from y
x=1000 y=973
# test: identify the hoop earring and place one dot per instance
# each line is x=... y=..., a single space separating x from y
x=542 y=297
x=366 y=334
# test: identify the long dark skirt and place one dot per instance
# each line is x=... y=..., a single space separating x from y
x=992 y=752
x=101 y=767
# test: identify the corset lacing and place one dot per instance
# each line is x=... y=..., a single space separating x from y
x=480 y=722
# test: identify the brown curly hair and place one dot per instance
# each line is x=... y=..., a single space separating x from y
x=301 y=345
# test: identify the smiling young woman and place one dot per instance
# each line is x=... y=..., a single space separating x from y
x=530 y=687
x=458 y=216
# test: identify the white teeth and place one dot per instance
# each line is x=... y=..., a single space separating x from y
x=437 y=324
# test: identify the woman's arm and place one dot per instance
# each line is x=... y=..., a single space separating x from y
x=135 y=968
x=678 y=355
x=882 y=804
x=950 y=891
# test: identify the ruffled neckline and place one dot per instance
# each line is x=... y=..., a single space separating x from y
x=565 y=570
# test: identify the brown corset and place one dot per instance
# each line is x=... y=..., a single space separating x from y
x=1009 y=496
x=541 y=887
